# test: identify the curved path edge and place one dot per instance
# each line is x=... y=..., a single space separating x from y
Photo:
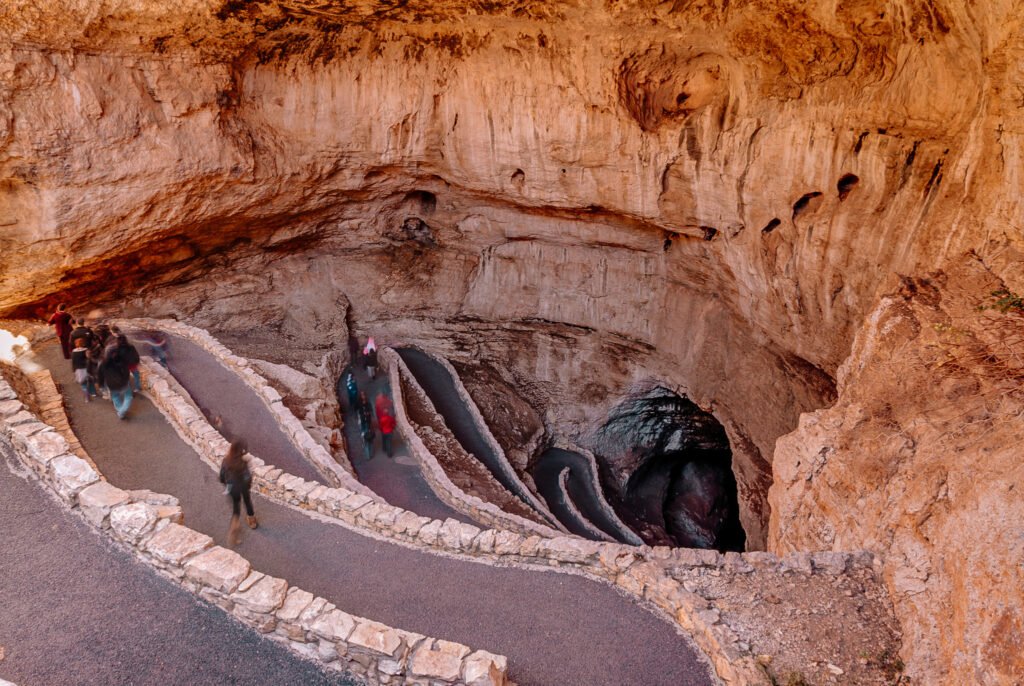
x=592 y=530
x=433 y=473
x=525 y=493
x=327 y=465
x=151 y=526
x=650 y=574
x=595 y=482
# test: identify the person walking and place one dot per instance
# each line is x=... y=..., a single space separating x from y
x=366 y=424
x=80 y=367
x=82 y=331
x=237 y=479
x=130 y=354
x=101 y=333
x=383 y=405
x=387 y=427
x=352 y=389
x=94 y=357
x=115 y=375
x=370 y=358
x=61 y=322
x=157 y=342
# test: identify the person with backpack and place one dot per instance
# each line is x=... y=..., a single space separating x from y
x=116 y=376
x=61 y=322
x=237 y=480
x=80 y=367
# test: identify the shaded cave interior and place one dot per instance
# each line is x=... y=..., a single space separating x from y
x=680 y=489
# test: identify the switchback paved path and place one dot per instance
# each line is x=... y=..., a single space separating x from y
x=556 y=629
x=580 y=490
x=398 y=479
x=74 y=609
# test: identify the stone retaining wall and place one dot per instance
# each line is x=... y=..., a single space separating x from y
x=433 y=473
x=592 y=530
x=671 y=581
x=602 y=502
x=326 y=464
x=508 y=471
x=150 y=524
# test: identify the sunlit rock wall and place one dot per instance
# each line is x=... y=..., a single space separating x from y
x=605 y=195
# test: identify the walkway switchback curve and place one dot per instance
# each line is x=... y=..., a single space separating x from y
x=439 y=384
x=555 y=628
x=580 y=490
x=397 y=479
x=75 y=609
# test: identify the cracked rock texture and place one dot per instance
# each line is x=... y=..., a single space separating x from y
x=920 y=459
x=597 y=196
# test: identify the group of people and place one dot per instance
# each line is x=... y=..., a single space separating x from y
x=385 y=411
x=101 y=358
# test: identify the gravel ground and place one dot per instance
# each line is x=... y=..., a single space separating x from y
x=556 y=629
x=75 y=609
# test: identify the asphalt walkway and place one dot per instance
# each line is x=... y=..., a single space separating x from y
x=397 y=479
x=581 y=491
x=228 y=402
x=556 y=629
x=77 y=610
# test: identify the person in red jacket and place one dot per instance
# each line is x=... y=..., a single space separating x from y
x=387 y=426
x=62 y=321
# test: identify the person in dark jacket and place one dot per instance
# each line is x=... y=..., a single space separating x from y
x=370 y=358
x=80 y=367
x=352 y=389
x=115 y=375
x=101 y=333
x=131 y=357
x=236 y=477
x=82 y=331
x=62 y=321
x=366 y=424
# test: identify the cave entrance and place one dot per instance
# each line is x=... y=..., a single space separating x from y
x=670 y=467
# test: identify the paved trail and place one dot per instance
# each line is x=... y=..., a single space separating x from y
x=75 y=609
x=580 y=491
x=398 y=480
x=556 y=629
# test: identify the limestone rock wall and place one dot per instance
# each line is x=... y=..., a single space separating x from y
x=603 y=195
x=920 y=459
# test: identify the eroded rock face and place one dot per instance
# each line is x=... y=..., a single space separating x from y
x=919 y=459
x=599 y=196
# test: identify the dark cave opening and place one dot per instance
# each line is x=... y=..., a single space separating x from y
x=676 y=485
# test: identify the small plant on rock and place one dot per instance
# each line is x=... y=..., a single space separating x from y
x=1005 y=301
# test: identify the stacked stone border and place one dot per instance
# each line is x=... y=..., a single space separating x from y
x=151 y=526
x=595 y=480
x=508 y=471
x=650 y=573
x=433 y=473
x=592 y=530
x=328 y=466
